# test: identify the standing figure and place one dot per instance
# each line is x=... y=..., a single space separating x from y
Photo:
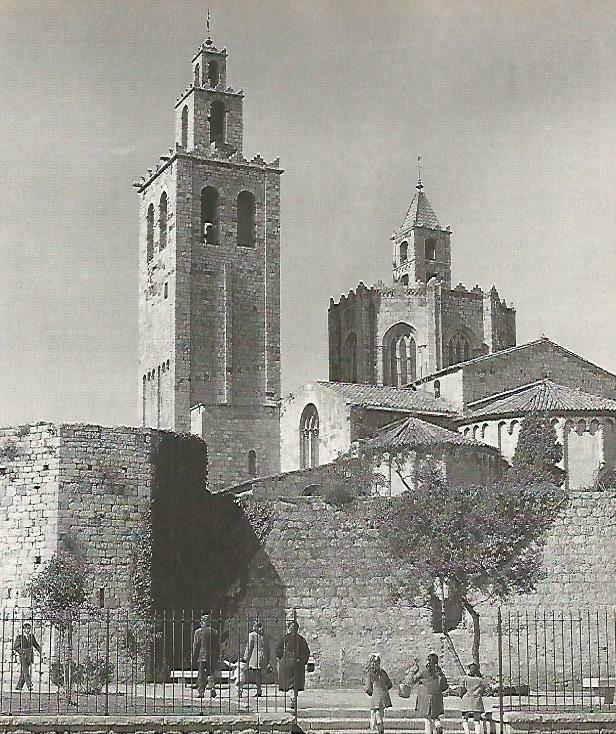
x=206 y=652
x=258 y=655
x=293 y=654
x=377 y=687
x=24 y=647
x=472 y=690
x=432 y=684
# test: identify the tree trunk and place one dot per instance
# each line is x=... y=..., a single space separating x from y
x=476 y=629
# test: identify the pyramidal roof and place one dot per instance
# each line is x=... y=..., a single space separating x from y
x=420 y=213
x=416 y=432
x=544 y=395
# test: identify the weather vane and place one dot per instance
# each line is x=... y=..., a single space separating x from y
x=419 y=184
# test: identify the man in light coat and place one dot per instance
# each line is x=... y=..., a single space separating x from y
x=258 y=655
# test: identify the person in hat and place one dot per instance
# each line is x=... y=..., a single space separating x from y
x=378 y=685
x=293 y=654
x=24 y=647
x=432 y=684
x=206 y=653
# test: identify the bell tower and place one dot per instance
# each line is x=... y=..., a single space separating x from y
x=209 y=296
x=421 y=247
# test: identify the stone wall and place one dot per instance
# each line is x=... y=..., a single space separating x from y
x=150 y=724
x=232 y=432
x=29 y=513
x=328 y=565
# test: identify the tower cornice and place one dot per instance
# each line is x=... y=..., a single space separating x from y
x=228 y=91
x=234 y=161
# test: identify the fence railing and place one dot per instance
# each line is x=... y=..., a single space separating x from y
x=557 y=660
x=115 y=663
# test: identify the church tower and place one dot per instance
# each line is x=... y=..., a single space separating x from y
x=421 y=247
x=209 y=282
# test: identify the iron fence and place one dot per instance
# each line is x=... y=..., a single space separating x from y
x=557 y=660
x=115 y=663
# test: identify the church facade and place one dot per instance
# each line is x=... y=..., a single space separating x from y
x=209 y=282
x=392 y=335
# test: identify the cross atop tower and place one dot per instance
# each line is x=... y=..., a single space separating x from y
x=419 y=184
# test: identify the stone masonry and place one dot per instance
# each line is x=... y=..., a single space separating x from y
x=439 y=325
x=327 y=564
x=209 y=272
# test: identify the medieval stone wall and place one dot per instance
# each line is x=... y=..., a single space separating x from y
x=328 y=565
x=29 y=515
x=231 y=433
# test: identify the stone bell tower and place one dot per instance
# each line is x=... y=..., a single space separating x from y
x=209 y=272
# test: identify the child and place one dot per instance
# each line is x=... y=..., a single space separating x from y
x=471 y=691
x=432 y=685
x=378 y=685
x=238 y=676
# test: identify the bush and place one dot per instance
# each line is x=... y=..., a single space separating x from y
x=8 y=450
x=91 y=676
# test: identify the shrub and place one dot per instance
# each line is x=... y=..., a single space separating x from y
x=91 y=676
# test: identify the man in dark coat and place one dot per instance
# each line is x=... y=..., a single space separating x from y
x=206 y=654
x=293 y=654
x=24 y=647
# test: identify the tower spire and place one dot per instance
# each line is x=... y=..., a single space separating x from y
x=207 y=25
x=419 y=184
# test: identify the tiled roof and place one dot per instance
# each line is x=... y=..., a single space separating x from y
x=543 y=395
x=390 y=398
x=420 y=214
x=415 y=432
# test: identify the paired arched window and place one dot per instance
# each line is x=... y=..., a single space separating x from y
x=309 y=437
x=212 y=73
x=399 y=356
x=217 y=122
x=162 y=221
x=349 y=359
x=197 y=75
x=458 y=349
x=209 y=215
x=252 y=463
x=246 y=219
x=404 y=252
x=184 y=140
x=149 y=233
x=430 y=249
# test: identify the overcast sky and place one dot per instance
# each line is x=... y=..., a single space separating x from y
x=511 y=104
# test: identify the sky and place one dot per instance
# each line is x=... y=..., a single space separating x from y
x=512 y=106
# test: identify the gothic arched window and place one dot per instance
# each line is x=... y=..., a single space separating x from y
x=252 y=463
x=149 y=233
x=209 y=215
x=349 y=358
x=217 y=122
x=437 y=388
x=405 y=280
x=184 y=140
x=246 y=219
x=399 y=356
x=197 y=75
x=458 y=349
x=212 y=73
x=309 y=437
x=162 y=222
x=404 y=252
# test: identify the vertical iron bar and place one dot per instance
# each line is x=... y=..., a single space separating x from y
x=107 y=632
x=12 y=662
x=295 y=667
x=581 y=652
x=164 y=658
x=598 y=634
x=3 y=654
x=571 y=649
x=499 y=627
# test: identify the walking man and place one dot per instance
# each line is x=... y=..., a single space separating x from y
x=25 y=645
x=206 y=652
